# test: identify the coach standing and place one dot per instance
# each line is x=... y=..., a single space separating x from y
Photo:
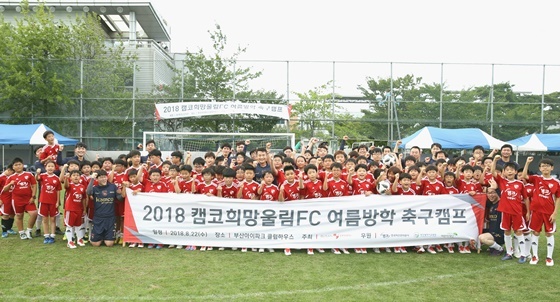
x=79 y=154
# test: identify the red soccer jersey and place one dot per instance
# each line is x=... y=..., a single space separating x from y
x=417 y=188
x=145 y=176
x=313 y=189
x=337 y=187
x=22 y=192
x=360 y=187
x=230 y=192
x=401 y=191
x=545 y=193
x=5 y=196
x=50 y=188
x=322 y=174
x=512 y=196
x=249 y=190
x=432 y=188
x=291 y=190
x=468 y=186
x=270 y=193
x=300 y=174
x=451 y=190
x=118 y=179
x=135 y=187
x=204 y=188
x=529 y=189
x=50 y=152
x=280 y=177
x=158 y=187
x=186 y=186
x=75 y=193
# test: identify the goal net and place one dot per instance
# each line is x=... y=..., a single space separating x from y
x=200 y=142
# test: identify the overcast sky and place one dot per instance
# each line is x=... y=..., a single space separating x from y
x=475 y=31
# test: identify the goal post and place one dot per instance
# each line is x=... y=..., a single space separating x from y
x=201 y=142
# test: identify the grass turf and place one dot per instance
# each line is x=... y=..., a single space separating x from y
x=33 y=271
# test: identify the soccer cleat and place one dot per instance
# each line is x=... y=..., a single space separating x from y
x=522 y=260
x=516 y=254
x=261 y=250
x=467 y=250
x=420 y=250
x=397 y=250
x=46 y=240
x=310 y=252
x=320 y=251
x=140 y=245
x=209 y=248
x=150 y=246
x=376 y=250
x=171 y=246
x=23 y=236
x=132 y=245
x=507 y=257
x=71 y=245
x=253 y=249
x=549 y=262
x=358 y=251
x=51 y=240
x=4 y=234
x=28 y=234
x=438 y=248
x=81 y=242
x=461 y=249
x=287 y=252
x=534 y=260
x=179 y=247
x=345 y=251
x=387 y=250
x=271 y=250
x=451 y=249
x=159 y=246
x=496 y=252
x=11 y=232
x=234 y=249
x=37 y=232
x=336 y=251
x=58 y=231
x=203 y=248
x=431 y=250
x=221 y=248
x=244 y=250
x=403 y=250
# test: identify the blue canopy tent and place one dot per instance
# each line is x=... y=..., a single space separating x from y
x=28 y=135
x=463 y=138
x=537 y=142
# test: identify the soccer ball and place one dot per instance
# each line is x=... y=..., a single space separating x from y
x=383 y=186
x=388 y=160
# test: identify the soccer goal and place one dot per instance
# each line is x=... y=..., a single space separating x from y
x=204 y=142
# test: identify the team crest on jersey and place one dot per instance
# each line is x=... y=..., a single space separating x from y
x=516 y=186
x=104 y=193
x=550 y=186
x=26 y=177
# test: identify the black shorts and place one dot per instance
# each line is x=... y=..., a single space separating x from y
x=103 y=229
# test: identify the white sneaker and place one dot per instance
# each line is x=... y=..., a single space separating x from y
x=345 y=251
x=358 y=251
x=534 y=260
x=397 y=250
x=431 y=250
x=171 y=246
x=271 y=250
x=253 y=249
x=387 y=250
x=28 y=234
x=71 y=245
x=132 y=245
x=203 y=248
x=336 y=251
x=287 y=252
x=364 y=251
x=310 y=252
x=320 y=251
x=221 y=249
x=261 y=250
x=403 y=250
x=244 y=250
x=234 y=249
x=549 y=262
x=516 y=254
x=81 y=242
x=179 y=247
x=140 y=245
x=376 y=250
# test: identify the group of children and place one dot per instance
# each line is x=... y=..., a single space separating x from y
x=289 y=176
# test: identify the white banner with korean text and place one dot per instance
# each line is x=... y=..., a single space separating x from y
x=190 y=109
x=348 y=222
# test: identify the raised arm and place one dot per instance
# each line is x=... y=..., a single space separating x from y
x=525 y=174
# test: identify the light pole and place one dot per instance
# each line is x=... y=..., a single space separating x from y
x=392 y=115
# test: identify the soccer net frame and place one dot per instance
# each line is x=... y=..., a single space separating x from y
x=202 y=142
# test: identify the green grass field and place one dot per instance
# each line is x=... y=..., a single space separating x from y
x=33 y=271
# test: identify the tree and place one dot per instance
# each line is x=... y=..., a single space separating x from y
x=42 y=62
x=216 y=77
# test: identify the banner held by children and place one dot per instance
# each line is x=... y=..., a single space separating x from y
x=350 y=222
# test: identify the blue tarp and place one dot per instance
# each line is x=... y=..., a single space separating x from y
x=463 y=138
x=537 y=142
x=29 y=135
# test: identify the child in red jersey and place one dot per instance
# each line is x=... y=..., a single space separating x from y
x=248 y=189
x=544 y=207
x=136 y=186
x=336 y=187
x=359 y=182
x=6 y=209
x=186 y=182
x=510 y=205
x=267 y=189
x=23 y=187
x=313 y=187
x=207 y=187
x=49 y=199
x=289 y=190
x=50 y=150
x=74 y=207
x=229 y=188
